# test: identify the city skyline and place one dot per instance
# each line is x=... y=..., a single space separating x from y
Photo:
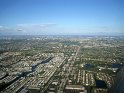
x=61 y=17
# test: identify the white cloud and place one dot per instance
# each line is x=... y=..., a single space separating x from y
x=1 y=27
x=35 y=28
x=28 y=28
x=51 y=28
x=47 y=25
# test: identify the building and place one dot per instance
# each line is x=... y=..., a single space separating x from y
x=75 y=89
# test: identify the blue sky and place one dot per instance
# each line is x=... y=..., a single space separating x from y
x=54 y=17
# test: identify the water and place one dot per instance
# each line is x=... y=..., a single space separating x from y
x=88 y=66
x=101 y=84
x=117 y=65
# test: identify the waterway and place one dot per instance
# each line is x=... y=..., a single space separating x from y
x=117 y=65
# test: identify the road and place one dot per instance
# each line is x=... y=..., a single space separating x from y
x=68 y=72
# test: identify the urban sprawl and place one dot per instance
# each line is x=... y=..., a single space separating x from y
x=59 y=64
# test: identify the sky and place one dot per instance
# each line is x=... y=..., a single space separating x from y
x=61 y=17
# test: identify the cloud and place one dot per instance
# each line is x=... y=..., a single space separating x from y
x=28 y=29
x=51 y=28
x=19 y=29
x=1 y=27
x=35 y=26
